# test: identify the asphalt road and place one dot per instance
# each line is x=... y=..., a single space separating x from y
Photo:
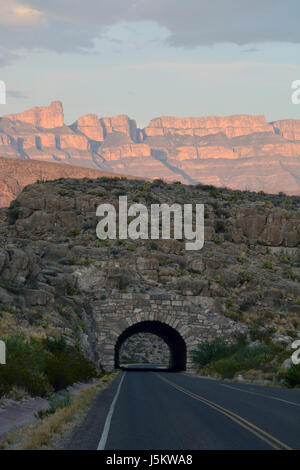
x=159 y=410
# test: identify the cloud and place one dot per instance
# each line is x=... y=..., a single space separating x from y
x=74 y=25
x=17 y=94
x=6 y=57
x=201 y=22
x=14 y=13
x=209 y=67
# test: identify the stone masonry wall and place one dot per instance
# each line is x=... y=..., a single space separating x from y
x=195 y=323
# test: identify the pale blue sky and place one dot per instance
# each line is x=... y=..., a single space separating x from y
x=149 y=58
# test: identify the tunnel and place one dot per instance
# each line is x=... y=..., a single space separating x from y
x=168 y=334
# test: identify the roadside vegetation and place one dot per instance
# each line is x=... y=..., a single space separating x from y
x=40 y=367
x=55 y=424
x=260 y=360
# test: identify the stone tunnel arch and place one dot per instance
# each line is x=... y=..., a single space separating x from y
x=170 y=335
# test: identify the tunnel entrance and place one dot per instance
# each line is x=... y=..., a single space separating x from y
x=168 y=334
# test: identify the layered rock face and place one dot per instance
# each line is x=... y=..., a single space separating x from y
x=231 y=126
x=48 y=117
x=90 y=126
x=121 y=124
x=288 y=128
x=240 y=151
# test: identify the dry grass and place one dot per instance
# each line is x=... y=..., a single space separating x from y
x=42 y=434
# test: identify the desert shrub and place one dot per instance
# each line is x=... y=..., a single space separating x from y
x=67 y=366
x=289 y=274
x=267 y=264
x=10 y=309
x=219 y=226
x=41 y=367
x=74 y=232
x=229 y=359
x=71 y=290
x=131 y=248
x=158 y=183
x=284 y=258
x=26 y=362
x=258 y=331
x=245 y=276
x=227 y=367
x=245 y=358
x=62 y=192
x=216 y=239
x=233 y=315
x=247 y=303
x=292 y=376
x=268 y=204
x=56 y=402
x=13 y=211
x=209 y=350
x=153 y=245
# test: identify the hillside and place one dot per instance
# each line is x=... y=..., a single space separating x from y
x=18 y=173
x=58 y=280
x=240 y=152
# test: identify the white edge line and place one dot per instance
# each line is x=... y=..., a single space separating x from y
x=261 y=395
x=103 y=440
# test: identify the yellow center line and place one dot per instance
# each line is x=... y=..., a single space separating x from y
x=263 y=435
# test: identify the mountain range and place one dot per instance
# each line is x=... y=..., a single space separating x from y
x=240 y=152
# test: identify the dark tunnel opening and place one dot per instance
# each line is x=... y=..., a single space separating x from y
x=168 y=334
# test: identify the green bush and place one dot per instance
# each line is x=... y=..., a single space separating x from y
x=74 y=232
x=267 y=264
x=284 y=258
x=209 y=350
x=71 y=290
x=245 y=276
x=67 y=367
x=131 y=248
x=26 y=362
x=14 y=211
x=229 y=359
x=227 y=367
x=41 y=367
x=56 y=401
x=292 y=376
x=245 y=358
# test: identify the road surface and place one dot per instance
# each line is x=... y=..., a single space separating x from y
x=159 y=410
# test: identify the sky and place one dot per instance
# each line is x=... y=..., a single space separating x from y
x=148 y=58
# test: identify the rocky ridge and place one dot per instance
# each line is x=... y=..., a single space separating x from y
x=17 y=174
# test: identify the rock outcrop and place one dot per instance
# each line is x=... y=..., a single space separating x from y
x=90 y=126
x=121 y=124
x=48 y=117
x=231 y=126
x=288 y=128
